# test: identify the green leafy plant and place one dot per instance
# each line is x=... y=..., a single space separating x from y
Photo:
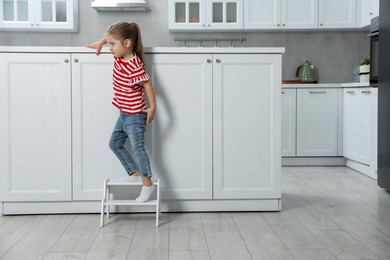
x=365 y=61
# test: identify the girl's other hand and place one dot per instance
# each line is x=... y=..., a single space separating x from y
x=150 y=111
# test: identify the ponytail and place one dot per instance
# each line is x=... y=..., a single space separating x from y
x=138 y=46
x=131 y=31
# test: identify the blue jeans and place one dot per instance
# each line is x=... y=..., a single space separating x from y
x=131 y=126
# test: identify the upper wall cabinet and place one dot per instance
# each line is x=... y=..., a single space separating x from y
x=337 y=14
x=205 y=14
x=367 y=9
x=270 y=14
x=280 y=14
x=39 y=15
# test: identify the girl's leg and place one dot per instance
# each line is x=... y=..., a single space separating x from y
x=135 y=129
x=135 y=126
x=117 y=141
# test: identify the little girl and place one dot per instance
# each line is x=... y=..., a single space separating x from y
x=130 y=81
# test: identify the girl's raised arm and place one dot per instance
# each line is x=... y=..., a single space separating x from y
x=97 y=45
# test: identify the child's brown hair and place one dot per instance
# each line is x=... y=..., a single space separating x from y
x=131 y=31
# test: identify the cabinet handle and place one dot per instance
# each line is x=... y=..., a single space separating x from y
x=284 y=24
x=278 y=25
x=66 y=60
x=351 y=92
x=317 y=92
x=321 y=24
x=366 y=92
x=283 y=92
x=209 y=61
x=76 y=60
x=218 y=61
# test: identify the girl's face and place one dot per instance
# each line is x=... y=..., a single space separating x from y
x=118 y=48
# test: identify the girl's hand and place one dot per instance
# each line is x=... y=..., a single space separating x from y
x=150 y=111
x=97 y=45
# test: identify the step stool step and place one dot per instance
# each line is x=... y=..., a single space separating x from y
x=130 y=203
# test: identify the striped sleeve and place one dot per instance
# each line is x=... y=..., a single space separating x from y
x=137 y=71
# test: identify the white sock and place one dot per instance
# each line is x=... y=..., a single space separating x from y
x=145 y=194
x=133 y=178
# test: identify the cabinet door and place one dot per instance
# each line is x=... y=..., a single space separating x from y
x=35 y=136
x=16 y=14
x=57 y=15
x=367 y=9
x=337 y=13
x=246 y=130
x=186 y=14
x=93 y=120
x=374 y=159
x=39 y=15
x=299 y=14
x=317 y=122
x=181 y=134
x=351 y=123
x=262 y=14
x=289 y=113
x=225 y=14
x=366 y=115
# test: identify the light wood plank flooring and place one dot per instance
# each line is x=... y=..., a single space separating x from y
x=328 y=213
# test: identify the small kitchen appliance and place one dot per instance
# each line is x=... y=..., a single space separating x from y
x=305 y=72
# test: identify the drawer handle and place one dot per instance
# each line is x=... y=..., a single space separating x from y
x=66 y=60
x=209 y=61
x=317 y=92
x=283 y=92
x=218 y=61
x=351 y=92
x=366 y=92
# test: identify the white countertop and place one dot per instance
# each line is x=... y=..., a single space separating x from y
x=333 y=85
x=355 y=84
x=51 y=49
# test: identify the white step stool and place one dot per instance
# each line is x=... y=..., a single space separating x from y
x=107 y=202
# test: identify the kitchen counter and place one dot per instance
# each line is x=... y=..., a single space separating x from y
x=51 y=49
x=68 y=157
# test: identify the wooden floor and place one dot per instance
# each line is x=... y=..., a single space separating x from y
x=328 y=213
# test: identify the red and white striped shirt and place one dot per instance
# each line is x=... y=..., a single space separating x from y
x=128 y=92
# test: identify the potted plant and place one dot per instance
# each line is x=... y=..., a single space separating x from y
x=365 y=65
x=365 y=70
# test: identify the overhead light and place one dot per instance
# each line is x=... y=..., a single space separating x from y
x=121 y=5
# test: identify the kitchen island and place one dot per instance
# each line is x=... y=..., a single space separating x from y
x=214 y=144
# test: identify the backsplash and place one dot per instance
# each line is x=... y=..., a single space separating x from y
x=334 y=54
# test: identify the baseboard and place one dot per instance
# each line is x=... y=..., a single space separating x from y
x=313 y=161
x=362 y=168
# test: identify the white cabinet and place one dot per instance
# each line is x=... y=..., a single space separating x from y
x=35 y=136
x=216 y=134
x=93 y=118
x=367 y=9
x=181 y=135
x=289 y=122
x=359 y=123
x=337 y=14
x=205 y=14
x=246 y=129
x=39 y=15
x=317 y=122
x=284 y=14
x=215 y=139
